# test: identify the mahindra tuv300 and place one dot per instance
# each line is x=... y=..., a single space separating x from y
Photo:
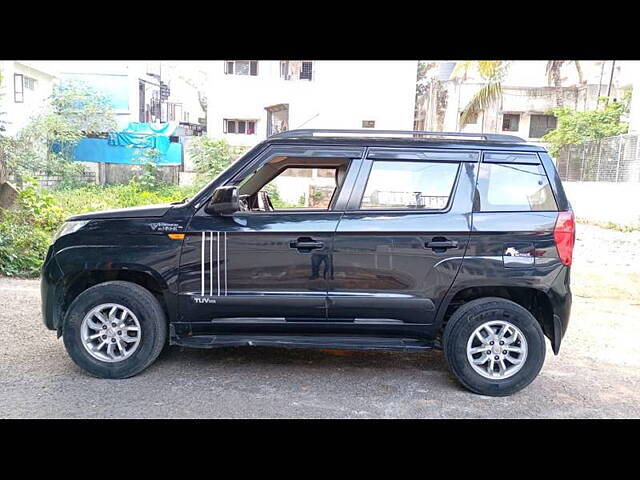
x=333 y=239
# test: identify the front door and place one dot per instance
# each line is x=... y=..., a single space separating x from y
x=400 y=243
x=265 y=269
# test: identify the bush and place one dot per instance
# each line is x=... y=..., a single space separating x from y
x=211 y=156
x=27 y=231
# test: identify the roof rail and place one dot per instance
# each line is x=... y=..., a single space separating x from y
x=489 y=137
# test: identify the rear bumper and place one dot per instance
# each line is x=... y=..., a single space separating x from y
x=560 y=297
x=50 y=291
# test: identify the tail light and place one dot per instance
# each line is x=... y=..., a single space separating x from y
x=564 y=234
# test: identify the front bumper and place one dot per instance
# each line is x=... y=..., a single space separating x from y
x=51 y=292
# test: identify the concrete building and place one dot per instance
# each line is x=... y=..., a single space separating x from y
x=26 y=86
x=527 y=98
x=250 y=100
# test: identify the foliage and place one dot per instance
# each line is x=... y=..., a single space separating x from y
x=148 y=172
x=27 y=231
x=46 y=143
x=211 y=156
x=2 y=122
x=493 y=72
x=575 y=127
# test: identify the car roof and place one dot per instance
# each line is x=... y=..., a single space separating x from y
x=407 y=142
x=403 y=139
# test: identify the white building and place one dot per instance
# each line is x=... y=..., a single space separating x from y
x=26 y=86
x=527 y=97
x=250 y=100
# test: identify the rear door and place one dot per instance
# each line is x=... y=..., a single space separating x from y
x=400 y=242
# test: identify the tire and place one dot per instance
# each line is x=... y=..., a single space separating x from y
x=142 y=306
x=463 y=325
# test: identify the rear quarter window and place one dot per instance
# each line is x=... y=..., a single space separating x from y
x=514 y=187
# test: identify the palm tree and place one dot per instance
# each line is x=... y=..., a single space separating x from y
x=553 y=76
x=493 y=72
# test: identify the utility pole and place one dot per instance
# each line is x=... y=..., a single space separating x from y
x=613 y=65
x=634 y=113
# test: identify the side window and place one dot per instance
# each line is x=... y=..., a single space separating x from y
x=409 y=185
x=514 y=187
x=302 y=187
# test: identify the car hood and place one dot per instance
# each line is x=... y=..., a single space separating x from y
x=131 y=212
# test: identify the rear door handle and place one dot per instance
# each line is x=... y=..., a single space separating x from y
x=306 y=244
x=441 y=244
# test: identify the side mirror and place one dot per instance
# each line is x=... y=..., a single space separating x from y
x=223 y=202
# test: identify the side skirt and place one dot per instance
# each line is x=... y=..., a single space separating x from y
x=301 y=341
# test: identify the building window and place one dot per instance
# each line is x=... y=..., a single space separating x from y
x=540 y=125
x=510 y=122
x=296 y=70
x=29 y=83
x=241 y=67
x=243 y=127
x=368 y=124
x=18 y=88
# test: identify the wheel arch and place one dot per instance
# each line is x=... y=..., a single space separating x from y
x=77 y=283
x=534 y=300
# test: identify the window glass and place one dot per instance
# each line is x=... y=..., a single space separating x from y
x=510 y=122
x=514 y=188
x=302 y=188
x=540 y=125
x=231 y=126
x=415 y=185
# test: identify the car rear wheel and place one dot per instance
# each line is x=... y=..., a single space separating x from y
x=115 y=329
x=494 y=346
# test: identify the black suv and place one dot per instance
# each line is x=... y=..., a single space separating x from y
x=335 y=239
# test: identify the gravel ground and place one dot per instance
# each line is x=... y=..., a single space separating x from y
x=596 y=375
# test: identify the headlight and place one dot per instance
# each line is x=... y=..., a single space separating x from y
x=70 y=227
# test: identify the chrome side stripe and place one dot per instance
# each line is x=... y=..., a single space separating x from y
x=211 y=263
x=218 y=260
x=225 y=263
x=202 y=266
x=219 y=263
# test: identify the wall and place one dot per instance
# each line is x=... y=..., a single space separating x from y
x=605 y=201
x=341 y=95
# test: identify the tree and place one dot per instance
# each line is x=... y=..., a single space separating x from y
x=554 y=78
x=493 y=72
x=2 y=122
x=46 y=143
x=575 y=127
x=199 y=81
x=211 y=156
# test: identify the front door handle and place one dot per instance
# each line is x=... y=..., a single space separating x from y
x=306 y=244
x=441 y=244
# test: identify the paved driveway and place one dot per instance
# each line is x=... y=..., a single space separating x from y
x=597 y=374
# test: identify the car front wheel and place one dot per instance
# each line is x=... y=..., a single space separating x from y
x=115 y=329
